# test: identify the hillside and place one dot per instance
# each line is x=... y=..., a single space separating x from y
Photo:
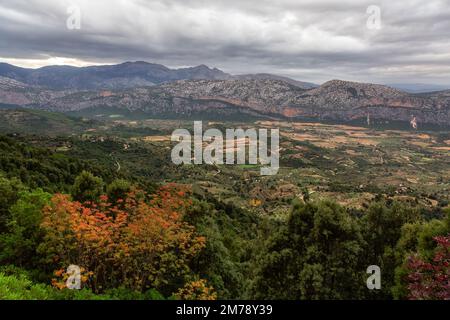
x=211 y=94
x=334 y=100
x=40 y=122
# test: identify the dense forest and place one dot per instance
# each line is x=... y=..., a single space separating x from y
x=136 y=235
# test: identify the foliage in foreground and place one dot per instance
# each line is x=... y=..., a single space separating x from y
x=431 y=279
x=15 y=284
x=133 y=245
x=137 y=243
x=315 y=256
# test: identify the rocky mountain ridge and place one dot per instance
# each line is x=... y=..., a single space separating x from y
x=261 y=98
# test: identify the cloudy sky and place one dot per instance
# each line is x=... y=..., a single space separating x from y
x=310 y=40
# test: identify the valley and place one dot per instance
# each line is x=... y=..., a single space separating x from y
x=352 y=164
x=356 y=186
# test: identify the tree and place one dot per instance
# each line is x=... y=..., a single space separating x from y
x=118 y=190
x=24 y=234
x=406 y=245
x=314 y=257
x=145 y=245
x=382 y=228
x=224 y=261
x=9 y=193
x=87 y=187
x=415 y=250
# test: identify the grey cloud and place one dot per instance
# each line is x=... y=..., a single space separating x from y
x=310 y=40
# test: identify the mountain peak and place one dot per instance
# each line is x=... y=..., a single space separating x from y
x=202 y=66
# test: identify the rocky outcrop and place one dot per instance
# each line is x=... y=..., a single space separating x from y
x=334 y=100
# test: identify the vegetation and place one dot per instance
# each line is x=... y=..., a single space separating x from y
x=140 y=227
x=314 y=256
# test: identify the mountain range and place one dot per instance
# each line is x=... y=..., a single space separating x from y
x=121 y=76
x=157 y=91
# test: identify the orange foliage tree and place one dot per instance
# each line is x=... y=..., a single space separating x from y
x=196 y=290
x=140 y=242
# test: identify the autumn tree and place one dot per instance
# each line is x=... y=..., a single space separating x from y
x=146 y=244
x=196 y=290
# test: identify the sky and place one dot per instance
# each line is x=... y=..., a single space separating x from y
x=402 y=41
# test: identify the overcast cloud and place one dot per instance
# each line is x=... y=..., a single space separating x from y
x=310 y=40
